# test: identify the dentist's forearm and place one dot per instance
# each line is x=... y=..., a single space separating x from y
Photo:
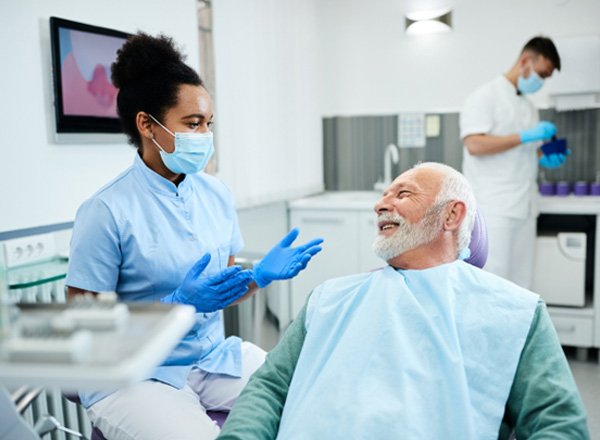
x=484 y=144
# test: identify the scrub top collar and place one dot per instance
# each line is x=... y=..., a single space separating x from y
x=510 y=86
x=157 y=183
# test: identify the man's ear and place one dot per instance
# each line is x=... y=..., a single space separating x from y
x=525 y=58
x=456 y=213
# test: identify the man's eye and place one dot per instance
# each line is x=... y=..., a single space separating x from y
x=193 y=125
x=402 y=194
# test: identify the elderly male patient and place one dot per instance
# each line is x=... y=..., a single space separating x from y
x=429 y=347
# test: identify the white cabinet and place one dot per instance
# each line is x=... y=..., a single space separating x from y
x=573 y=327
x=578 y=326
x=346 y=221
x=367 y=231
x=338 y=257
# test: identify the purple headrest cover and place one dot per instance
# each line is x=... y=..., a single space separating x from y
x=479 y=242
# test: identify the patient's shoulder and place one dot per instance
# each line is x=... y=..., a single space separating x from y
x=346 y=282
x=340 y=286
x=490 y=283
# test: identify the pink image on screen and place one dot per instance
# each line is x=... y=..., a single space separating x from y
x=86 y=86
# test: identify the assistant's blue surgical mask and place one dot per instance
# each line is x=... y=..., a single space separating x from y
x=191 y=153
x=531 y=84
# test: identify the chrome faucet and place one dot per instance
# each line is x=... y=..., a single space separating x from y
x=391 y=156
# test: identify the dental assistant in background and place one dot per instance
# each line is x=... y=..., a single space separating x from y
x=166 y=231
x=501 y=132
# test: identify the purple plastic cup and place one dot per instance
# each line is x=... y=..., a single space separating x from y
x=562 y=188
x=595 y=189
x=581 y=189
x=547 y=189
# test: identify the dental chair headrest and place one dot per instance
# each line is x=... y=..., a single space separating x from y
x=479 y=242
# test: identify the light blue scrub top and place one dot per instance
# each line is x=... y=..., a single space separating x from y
x=139 y=235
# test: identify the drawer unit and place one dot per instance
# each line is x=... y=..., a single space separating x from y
x=573 y=330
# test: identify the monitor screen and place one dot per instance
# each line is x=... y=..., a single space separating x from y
x=84 y=97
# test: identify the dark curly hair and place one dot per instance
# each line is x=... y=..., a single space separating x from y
x=148 y=72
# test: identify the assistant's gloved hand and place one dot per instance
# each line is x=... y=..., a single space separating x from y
x=210 y=293
x=553 y=160
x=543 y=130
x=284 y=262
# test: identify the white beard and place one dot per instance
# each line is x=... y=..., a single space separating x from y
x=408 y=235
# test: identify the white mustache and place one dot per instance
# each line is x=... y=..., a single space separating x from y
x=391 y=217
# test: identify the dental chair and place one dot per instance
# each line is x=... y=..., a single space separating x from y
x=479 y=242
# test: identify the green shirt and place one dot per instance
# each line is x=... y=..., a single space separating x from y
x=544 y=402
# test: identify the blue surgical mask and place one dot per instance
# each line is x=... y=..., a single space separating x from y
x=531 y=84
x=192 y=151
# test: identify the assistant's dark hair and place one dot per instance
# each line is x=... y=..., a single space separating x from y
x=148 y=72
x=545 y=47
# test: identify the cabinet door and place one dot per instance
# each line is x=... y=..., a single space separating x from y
x=367 y=231
x=573 y=330
x=340 y=250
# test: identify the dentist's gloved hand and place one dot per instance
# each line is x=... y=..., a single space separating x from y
x=210 y=293
x=284 y=262
x=543 y=130
x=553 y=160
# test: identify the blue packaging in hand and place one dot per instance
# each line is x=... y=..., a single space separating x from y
x=555 y=146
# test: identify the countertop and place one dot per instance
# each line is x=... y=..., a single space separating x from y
x=365 y=200
x=570 y=204
x=338 y=200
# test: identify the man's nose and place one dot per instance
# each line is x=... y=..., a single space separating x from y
x=383 y=205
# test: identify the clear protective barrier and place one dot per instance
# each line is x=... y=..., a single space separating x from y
x=4 y=303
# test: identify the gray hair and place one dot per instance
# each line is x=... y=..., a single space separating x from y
x=455 y=187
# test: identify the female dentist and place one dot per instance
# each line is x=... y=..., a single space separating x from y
x=141 y=233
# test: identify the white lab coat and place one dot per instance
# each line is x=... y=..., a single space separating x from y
x=504 y=183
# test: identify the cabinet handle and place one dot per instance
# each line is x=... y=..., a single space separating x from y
x=565 y=329
x=332 y=221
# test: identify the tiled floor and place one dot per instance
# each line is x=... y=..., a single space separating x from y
x=586 y=373
x=587 y=377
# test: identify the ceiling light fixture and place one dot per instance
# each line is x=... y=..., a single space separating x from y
x=427 y=16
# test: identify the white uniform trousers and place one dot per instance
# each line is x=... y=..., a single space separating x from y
x=152 y=410
x=512 y=248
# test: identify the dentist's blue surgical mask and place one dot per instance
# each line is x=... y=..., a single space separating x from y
x=531 y=84
x=191 y=153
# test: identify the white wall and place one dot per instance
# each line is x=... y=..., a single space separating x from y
x=268 y=117
x=263 y=226
x=368 y=65
x=42 y=182
x=281 y=66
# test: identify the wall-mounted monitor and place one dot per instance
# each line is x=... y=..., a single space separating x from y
x=84 y=97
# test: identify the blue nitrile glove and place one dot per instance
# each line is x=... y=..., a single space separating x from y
x=210 y=293
x=553 y=160
x=284 y=262
x=543 y=130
